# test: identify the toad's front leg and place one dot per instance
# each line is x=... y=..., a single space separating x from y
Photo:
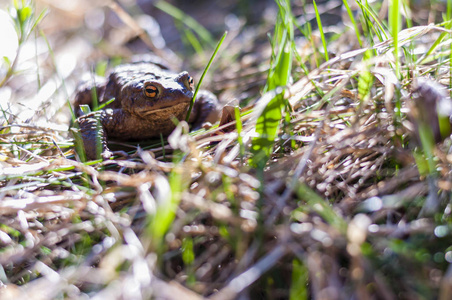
x=206 y=109
x=95 y=128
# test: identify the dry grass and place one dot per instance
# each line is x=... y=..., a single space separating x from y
x=340 y=210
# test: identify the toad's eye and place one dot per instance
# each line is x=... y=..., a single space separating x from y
x=190 y=82
x=151 y=91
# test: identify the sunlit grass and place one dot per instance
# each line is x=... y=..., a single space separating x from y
x=319 y=188
x=268 y=122
x=25 y=19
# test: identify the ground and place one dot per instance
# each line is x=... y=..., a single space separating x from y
x=331 y=180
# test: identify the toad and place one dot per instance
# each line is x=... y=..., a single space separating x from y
x=148 y=97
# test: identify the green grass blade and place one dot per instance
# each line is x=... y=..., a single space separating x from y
x=320 y=206
x=191 y=23
x=37 y=21
x=217 y=48
x=188 y=257
x=299 y=287
x=448 y=26
x=78 y=143
x=164 y=216
x=424 y=58
x=85 y=109
x=102 y=105
x=322 y=35
x=268 y=122
x=449 y=10
x=194 y=42
x=365 y=80
x=239 y=132
x=99 y=137
x=369 y=13
x=267 y=126
x=394 y=25
x=428 y=146
x=101 y=68
x=352 y=19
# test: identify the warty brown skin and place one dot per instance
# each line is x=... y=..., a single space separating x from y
x=147 y=98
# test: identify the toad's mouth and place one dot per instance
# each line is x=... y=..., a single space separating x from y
x=166 y=111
